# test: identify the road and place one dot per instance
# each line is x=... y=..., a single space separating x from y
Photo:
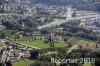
x=55 y=22
x=58 y=22
x=70 y=49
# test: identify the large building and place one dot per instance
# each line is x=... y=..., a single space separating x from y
x=69 y=12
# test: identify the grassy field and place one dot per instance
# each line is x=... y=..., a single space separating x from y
x=1 y=43
x=86 y=42
x=38 y=42
x=41 y=44
x=87 y=64
x=24 y=62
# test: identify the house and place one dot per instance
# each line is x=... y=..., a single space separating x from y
x=3 y=48
x=86 y=46
x=96 y=31
x=35 y=33
x=1 y=27
x=97 y=45
x=97 y=48
x=58 y=39
x=11 y=43
x=24 y=54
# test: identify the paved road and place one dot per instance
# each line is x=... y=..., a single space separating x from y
x=55 y=22
x=70 y=49
x=58 y=22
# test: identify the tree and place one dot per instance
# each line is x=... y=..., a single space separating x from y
x=70 y=45
x=74 y=14
x=97 y=62
x=2 y=34
x=9 y=63
x=35 y=38
x=1 y=64
x=2 y=2
x=98 y=41
x=65 y=39
x=34 y=54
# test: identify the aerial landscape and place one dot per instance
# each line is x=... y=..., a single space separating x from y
x=49 y=32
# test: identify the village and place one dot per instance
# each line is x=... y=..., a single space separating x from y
x=32 y=32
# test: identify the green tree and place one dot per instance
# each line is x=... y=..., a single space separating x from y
x=98 y=41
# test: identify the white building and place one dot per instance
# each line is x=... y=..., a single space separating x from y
x=69 y=12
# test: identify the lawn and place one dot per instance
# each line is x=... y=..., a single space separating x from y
x=87 y=64
x=86 y=42
x=72 y=40
x=38 y=42
x=42 y=19
x=41 y=44
x=1 y=43
x=24 y=62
